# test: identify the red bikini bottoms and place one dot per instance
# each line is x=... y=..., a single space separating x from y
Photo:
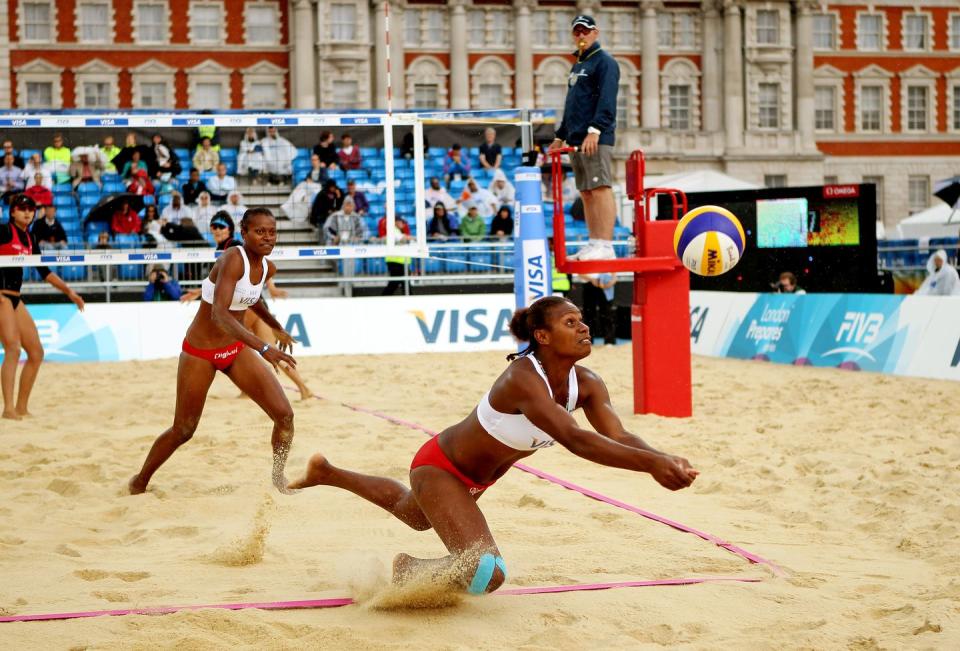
x=221 y=358
x=432 y=455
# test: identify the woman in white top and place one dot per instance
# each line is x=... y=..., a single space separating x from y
x=218 y=341
x=234 y=205
x=204 y=212
x=528 y=408
x=250 y=156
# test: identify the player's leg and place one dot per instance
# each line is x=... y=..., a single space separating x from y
x=10 y=338
x=30 y=343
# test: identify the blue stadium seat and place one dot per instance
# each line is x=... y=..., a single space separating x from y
x=304 y=152
x=72 y=273
x=130 y=271
x=88 y=201
x=27 y=153
x=94 y=228
x=228 y=155
x=149 y=200
x=369 y=152
x=64 y=200
x=114 y=187
x=357 y=175
x=63 y=188
x=88 y=188
x=68 y=213
x=127 y=241
x=110 y=177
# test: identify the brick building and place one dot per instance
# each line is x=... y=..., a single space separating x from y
x=839 y=92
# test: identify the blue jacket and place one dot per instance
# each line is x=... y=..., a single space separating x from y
x=591 y=97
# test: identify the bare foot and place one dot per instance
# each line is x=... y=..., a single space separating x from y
x=136 y=486
x=12 y=415
x=318 y=472
x=23 y=413
x=305 y=392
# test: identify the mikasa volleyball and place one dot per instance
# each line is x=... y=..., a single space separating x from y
x=709 y=240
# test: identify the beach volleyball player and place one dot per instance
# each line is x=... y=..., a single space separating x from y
x=528 y=408
x=217 y=341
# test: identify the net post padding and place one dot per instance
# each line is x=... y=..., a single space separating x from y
x=660 y=314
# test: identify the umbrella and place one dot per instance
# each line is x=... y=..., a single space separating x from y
x=146 y=155
x=949 y=191
x=103 y=211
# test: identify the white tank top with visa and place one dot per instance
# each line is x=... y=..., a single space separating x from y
x=245 y=294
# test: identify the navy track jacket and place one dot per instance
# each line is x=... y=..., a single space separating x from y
x=591 y=97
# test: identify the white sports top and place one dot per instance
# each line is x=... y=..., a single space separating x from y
x=245 y=294
x=515 y=430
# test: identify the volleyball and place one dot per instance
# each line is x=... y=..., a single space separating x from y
x=709 y=240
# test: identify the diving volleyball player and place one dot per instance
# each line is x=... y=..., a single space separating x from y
x=528 y=408
x=17 y=329
x=217 y=341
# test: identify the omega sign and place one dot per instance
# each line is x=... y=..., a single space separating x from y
x=840 y=191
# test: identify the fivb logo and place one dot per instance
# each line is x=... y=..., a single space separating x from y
x=470 y=327
x=857 y=329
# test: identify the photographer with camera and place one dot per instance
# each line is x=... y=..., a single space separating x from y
x=787 y=284
x=160 y=286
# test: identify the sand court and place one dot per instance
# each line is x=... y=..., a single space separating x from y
x=842 y=479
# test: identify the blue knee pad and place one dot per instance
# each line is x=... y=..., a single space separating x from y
x=481 y=578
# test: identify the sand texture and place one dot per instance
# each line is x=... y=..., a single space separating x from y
x=848 y=481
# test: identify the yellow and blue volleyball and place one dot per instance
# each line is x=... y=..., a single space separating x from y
x=709 y=240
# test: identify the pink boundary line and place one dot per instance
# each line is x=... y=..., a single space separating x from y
x=346 y=601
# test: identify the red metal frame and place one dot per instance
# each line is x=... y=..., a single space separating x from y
x=660 y=315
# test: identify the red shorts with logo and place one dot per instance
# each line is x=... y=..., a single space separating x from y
x=432 y=455
x=221 y=358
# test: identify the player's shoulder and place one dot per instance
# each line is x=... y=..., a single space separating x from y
x=587 y=379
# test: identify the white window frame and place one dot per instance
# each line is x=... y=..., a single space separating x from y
x=426 y=31
x=827 y=75
x=275 y=33
x=953 y=31
x=154 y=72
x=630 y=77
x=208 y=72
x=675 y=45
x=873 y=75
x=924 y=202
x=265 y=73
x=435 y=104
x=355 y=27
x=779 y=106
x=558 y=21
x=39 y=71
x=620 y=27
x=165 y=27
x=883 y=31
x=927 y=37
x=552 y=71
x=110 y=34
x=680 y=72
x=22 y=22
x=427 y=70
x=489 y=71
x=953 y=99
x=919 y=76
x=756 y=28
x=832 y=108
x=221 y=37
x=836 y=31
x=97 y=71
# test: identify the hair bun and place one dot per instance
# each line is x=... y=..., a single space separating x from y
x=519 y=327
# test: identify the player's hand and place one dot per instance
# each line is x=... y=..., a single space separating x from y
x=277 y=292
x=591 y=144
x=274 y=356
x=284 y=340
x=670 y=474
x=77 y=299
x=556 y=144
x=690 y=470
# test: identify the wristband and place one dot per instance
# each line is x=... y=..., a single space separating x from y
x=594 y=130
x=264 y=349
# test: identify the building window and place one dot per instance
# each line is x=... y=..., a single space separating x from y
x=206 y=23
x=679 y=104
x=39 y=95
x=344 y=93
x=768 y=102
x=425 y=27
x=918 y=193
x=490 y=96
x=676 y=30
x=96 y=94
x=37 y=21
x=915 y=32
x=768 y=27
x=956 y=108
x=871 y=108
x=869 y=32
x=551 y=28
x=426 y=96
x=824 y=32
x=151 y=23
x=665 y=30
x=955 y=31
x=620 y=28
x=262 y=27
x=876 y=181
x=343 y=22
x=263 y=95
x=831 y=179
x=207 y=95
x=917 y=108
x=476 y=27
x=153 y=94
x=500 y=28
x=93 y=22
x=825 y=102
x=774 y=180
x=541 y=26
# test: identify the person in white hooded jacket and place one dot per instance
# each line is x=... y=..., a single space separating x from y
x=942 y=278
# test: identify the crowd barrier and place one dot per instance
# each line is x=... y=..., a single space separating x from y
x=903 y=335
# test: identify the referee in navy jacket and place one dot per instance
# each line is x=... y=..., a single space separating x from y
x=590 y=123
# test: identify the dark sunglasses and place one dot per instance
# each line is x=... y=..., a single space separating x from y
x=580 y=30
x=217 y=227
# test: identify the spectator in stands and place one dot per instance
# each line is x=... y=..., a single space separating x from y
x=472 y=226
x=234 y=205
x=167 y=160
x=455 y=165
x=326 y=202
x=491 y=153
x=406 y=145
x=8 y=149
x=327 y=152
x=221 y=185
x=344 y=226
x=176 y=210
x=204 y=211
x=359 y=198
x=193 y=187
x=140 y=184
x=942 y=279
x=11 y=176
x=186 y=231
x=788 y=284
x=502 y=189
x=40 y=193
x=85 y=170
x=166 y=185
x=109 y=150
x=32 y=168
x=403 y=227
x=103 y=242
x=298 y=205
x=206 y=131
x=134 y=165
x=150 y=227
x=223 y=230
x=436 y=193
x=160 y=286
x=598 y=306
x=480 y=198
x=502 y=224
x=57 y=156
x=318 y=173
x=396 y=265
x=278 y=155
x=48 y=231
x=125 y=220
x=206 y=158
x=250 y=157
x=349 y=154
x=440 y=226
